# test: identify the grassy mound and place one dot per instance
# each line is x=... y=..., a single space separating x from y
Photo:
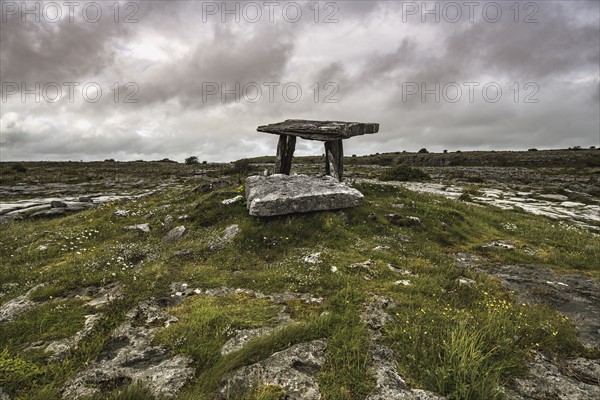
x=464 y=341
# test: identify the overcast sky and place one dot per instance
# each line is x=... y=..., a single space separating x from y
x=444 y=75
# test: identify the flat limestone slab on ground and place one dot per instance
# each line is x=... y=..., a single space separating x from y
x=286 y=194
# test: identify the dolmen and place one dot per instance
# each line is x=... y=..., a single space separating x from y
x=282 y=193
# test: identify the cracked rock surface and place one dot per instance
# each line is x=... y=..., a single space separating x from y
x=129 y=356
x=295 y=370
x=10 y=310
x=286 y=194
x=390 y=385
x=575 y=296
x=572 y=379
x=61 y=348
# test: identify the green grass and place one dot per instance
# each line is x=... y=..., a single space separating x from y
x=470 y=349
x=254 y=351
x=49 y=321
x=463 y=341
x=131 y=391
x=264 y=392
x=346 y=374
x=15 y=371
x=207 y=322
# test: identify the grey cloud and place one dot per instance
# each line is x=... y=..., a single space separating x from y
x=56 y=52
x=228 y=59
x=561 y=53
x=356 y=8
x=555 y=45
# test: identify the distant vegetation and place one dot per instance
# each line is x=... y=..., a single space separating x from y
x=242 y=168
x=167 y=160
x=542 y=158
x=469 y=192
x=115 y=171
x=19 y=168
x=102 y=173
x=404 y=173
x=192 y=160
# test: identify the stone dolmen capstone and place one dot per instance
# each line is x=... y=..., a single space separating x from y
x=282 y=193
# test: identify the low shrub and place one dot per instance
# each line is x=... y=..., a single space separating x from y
x=19 y=168
x=404 y=173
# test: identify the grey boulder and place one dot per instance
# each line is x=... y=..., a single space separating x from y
x=145 y=228
x=174 y=234
x=50 y=213
x=286 y=194
x=295 y=370
x=401 y=220
x=226 y=237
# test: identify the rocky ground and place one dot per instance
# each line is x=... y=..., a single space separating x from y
x=554 y=206
x=188 y=296
x=575 y=296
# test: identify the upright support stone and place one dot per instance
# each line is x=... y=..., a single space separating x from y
x=334 y=158
x=285 y=153
x=330 y=132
